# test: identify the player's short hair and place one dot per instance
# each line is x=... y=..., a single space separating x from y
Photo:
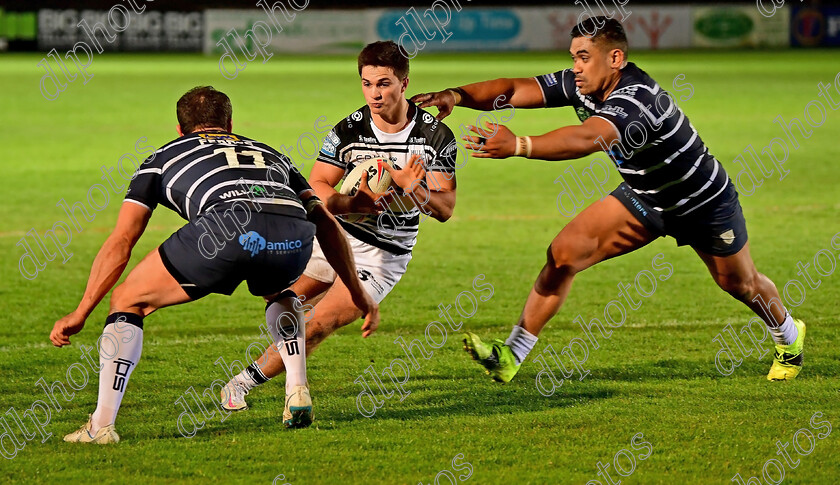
x=611 y=35
x=203 y=107
x=384 y=54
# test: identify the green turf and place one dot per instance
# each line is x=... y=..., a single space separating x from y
x=655 y=375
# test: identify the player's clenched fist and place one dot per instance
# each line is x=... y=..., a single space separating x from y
x=70 y=324
x=444 y=100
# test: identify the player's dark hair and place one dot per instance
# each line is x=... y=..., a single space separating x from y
x=384 y=54
x=611 y=35
x=203 y=107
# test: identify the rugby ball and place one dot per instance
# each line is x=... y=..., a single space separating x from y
x=378 y=179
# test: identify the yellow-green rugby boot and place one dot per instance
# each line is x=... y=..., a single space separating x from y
x=787 y=361
x=497 y=358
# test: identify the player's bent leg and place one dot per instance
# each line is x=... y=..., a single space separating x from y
x=270 y=363
x=333 y=311
x=288 y=329
x=737 y=275
x=149 y=286
x=604 y=230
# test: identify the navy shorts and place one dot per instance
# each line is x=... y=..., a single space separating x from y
x=213 y=254
x=718 y=227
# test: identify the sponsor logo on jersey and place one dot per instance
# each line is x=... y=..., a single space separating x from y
x=330 y=144
x=254 y=189
x=428 y=119
x=626 y=90
x=582 y=113
x=219 y=138
x=367 y=139
x=258 y=190
x=356 y=116
x=254 y=243
x=450 y=151
x=418 y=140
x=613 y=110
x=550 y=79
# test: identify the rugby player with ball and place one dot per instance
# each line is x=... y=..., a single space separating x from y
x=392 y=139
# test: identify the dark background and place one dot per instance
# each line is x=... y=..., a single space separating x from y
x=183 y=5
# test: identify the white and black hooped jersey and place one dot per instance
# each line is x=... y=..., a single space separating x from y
x=200 y=170
x=356 y=139
x=659 y=154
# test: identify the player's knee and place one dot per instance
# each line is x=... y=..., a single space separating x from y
x=118 y=297
x=565 y=257
x=741 y=287
x=124 y=299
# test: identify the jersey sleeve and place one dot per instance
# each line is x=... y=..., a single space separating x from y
x=144 y=188
x=629 y=111
x=446 y=149
x=335 y=140
x=297 y=182
x=557 y=88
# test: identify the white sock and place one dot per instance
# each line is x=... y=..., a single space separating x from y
x=786 y=333
x=521 y=342
x=251 y=377
x=287 y=327
x=119 y=352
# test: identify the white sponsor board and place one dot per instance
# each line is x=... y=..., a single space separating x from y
x=646 y=27
x=737 y=26
x=493 y=29
x=527 y=28
x=310 y=31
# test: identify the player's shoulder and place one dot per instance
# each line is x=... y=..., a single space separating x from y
x=354 y=122
x=265 y=147
x=555 y=78
x=432 y=128
x=635 y=84
x=175 y=148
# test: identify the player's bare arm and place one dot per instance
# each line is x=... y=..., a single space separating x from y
x=325 y=177
x=107 y=267
x=520 y=92
x=566 y=143
x=338 y=254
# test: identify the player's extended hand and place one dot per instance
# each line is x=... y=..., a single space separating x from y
x=409 y=177
x=371 y=309
x=366 y=201
x=493 y=141
x=70 y=324
x=444 y=100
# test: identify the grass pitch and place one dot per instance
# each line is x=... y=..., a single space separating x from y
x=655 y=375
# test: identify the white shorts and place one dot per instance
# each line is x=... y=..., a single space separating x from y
x=379 y=270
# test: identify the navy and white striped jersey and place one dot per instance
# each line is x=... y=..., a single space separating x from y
x=201 y=170
x=356 y=139
x=659 y=153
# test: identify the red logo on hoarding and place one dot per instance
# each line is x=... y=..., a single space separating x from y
x=809 y=27
x=653 y=28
